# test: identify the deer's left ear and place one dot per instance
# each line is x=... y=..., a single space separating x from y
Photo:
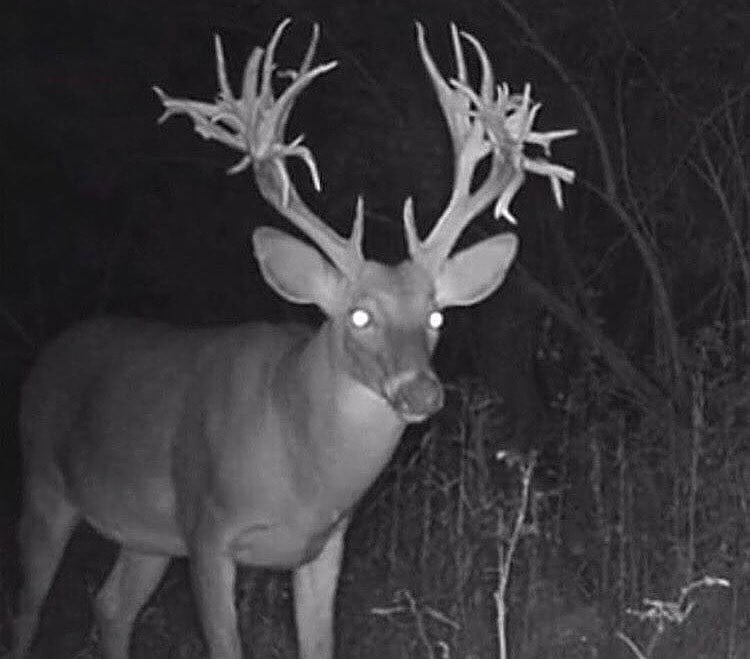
x=475 y=272
x=295 y=270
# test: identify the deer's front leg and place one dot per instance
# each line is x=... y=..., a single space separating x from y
x=213 y=572
x=314 y=598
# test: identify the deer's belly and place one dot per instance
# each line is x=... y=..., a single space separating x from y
x=125 y=492
x=146 y=538
x=139 y=513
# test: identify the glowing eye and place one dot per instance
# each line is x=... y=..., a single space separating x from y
x=360 y=318
x=436 y=320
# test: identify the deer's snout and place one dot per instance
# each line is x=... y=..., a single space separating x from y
x=415 y=395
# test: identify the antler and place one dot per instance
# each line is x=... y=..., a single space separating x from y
x=488 y=122
x=255 y=123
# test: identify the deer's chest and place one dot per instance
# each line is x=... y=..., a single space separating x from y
x=285 y=543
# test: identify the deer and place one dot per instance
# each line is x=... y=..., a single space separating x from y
x=251 y=445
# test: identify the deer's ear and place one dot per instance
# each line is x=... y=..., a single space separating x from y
x=295 y=270
x=474 y=273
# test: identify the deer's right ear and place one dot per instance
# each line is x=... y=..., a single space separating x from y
x=295 y=270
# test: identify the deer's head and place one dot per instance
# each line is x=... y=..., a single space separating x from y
x=385 y=320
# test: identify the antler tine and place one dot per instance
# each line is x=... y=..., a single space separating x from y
x=255 y=124
x=410 y=227
x=490 y=122
x=358 y=229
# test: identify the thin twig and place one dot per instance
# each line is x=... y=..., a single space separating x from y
x=505 y=553
x=631 y=644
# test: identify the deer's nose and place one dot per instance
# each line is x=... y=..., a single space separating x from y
x=415 y=395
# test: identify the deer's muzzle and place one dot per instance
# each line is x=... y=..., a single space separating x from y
x=415 y=395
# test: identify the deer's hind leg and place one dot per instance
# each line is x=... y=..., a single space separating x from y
x=47 y=521
x=129 y=585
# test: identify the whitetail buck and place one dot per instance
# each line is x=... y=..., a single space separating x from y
x=251 y=445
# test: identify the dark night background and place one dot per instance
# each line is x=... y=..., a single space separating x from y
x=616 y=348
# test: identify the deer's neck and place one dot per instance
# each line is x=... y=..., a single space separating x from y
x=346 y=430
